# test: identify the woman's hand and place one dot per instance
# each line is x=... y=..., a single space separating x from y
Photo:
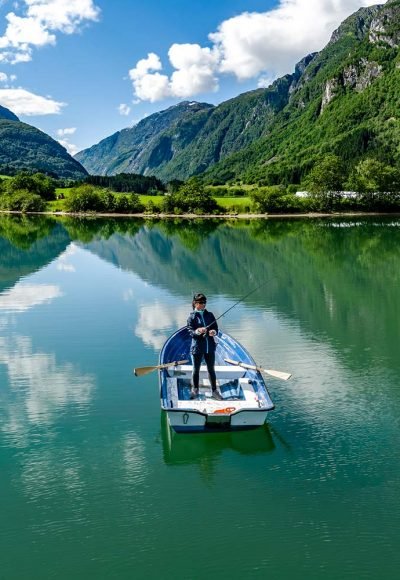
x=212 y=332
x=201 y=330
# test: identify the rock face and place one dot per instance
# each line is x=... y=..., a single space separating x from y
x=330 y=92
x=359 y=77
x=383 y=27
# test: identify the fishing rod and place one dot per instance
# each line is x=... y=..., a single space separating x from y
x=236 y=303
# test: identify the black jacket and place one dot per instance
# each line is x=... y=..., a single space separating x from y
x=200 y=343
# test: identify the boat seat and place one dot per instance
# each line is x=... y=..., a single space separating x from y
x=228 y=372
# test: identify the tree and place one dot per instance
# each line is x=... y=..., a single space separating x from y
x=325 y=180
x=38 y=184
x=22 y=200
x=371 y=176
x=192 y=197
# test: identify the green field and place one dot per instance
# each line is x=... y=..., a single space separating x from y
x=233 y=204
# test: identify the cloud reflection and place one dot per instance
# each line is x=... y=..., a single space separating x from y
x=62 y=264
x=157 y=321
x=22 y=296
x=39 y=387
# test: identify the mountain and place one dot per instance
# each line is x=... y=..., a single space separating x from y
x=144 y=147
x=23 y=147
x=7 y=114
x=343 y=100
x=347 y=103
x=186 y=139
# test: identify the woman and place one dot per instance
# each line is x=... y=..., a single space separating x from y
x=202 y=327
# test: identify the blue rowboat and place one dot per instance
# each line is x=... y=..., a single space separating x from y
x=245 y=398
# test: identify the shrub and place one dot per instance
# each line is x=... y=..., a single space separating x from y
x=87 y=198
x=22 y=200
x=83 y=199
x=192 y=197
x=38 y=184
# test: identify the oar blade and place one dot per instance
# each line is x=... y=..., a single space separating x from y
x=278 y=374
x=140 y=371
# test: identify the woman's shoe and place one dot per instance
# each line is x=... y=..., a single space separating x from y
x=217 y=395
x=194 y=393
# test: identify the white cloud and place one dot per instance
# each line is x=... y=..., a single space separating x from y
x=148 y=85
x=70 y=147
x=7 y=79
x=249 y=45
x=124 y=109
x=274 y=41
x=194 y=73
x=39 y=23
x=23 y=102
x=63 y=139
x=195 y=70
x=67 y=131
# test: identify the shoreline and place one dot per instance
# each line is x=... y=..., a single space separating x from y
x=192 y=216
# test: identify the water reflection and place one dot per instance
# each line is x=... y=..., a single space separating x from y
x=156 y=319
x=25 y=296
x=38 y=388
x=205 y=449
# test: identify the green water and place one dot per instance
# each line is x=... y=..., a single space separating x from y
x=93 y=484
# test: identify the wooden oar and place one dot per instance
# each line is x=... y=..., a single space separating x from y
x=140 y=371
x=276 y=374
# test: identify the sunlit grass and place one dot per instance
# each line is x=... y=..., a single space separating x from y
x=228 y=204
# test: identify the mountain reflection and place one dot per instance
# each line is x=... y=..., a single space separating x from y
x=328 y=275
x=27 y=244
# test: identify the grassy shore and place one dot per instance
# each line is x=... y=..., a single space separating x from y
x=233 y=204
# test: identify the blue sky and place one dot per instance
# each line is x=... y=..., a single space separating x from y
x=82 y=69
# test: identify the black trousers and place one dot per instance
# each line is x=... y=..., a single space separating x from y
x=209 y=357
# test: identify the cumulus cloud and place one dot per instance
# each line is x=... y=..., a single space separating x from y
x=259 y=45
x=6 y=79
x=66 y=131
x=70 y=147
x=194 y=73
x=23 y=102
x=63 y=139
x=274 y=41
x=38 y=24
x=124 y=109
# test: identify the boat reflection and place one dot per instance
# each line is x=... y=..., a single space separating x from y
x=205 y=448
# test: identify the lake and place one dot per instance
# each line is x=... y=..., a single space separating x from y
x=94 y=484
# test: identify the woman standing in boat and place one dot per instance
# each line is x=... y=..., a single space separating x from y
x=202 y=327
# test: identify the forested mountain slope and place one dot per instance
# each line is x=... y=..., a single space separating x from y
x=23 y=147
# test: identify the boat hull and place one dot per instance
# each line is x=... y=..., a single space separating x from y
x=189 y=421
